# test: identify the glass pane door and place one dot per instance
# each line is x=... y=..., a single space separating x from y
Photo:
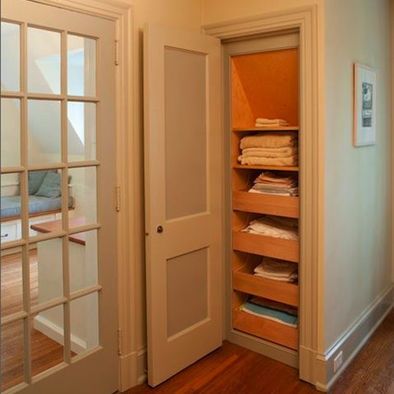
x=53 y=172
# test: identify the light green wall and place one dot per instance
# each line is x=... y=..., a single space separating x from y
x=357 y=180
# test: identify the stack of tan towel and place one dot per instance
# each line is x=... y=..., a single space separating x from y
x=274 y=226
x=276 y=269
x=263 y=122
x=272 y=149
x=271 y=183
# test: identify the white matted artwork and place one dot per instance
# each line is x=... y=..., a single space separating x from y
x=364 y=132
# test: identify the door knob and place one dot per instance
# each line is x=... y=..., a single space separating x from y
x=159 y=229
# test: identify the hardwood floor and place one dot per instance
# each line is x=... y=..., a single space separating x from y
x=46 y=353
x=235 y=370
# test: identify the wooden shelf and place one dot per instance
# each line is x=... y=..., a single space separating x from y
x=266 y=329
x=270 y=168
x=261 y=245
x=269 y=204
x=284 y=292
x=257 y=129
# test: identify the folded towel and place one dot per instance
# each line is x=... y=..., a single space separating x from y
x=270 y=152
x=273 y=227
x=271 y=314
x=293 y=191
x=291 y=310
x=270 y=122
x=274 y=178
x=276 y=269
x=269 y=140
x=269 y=161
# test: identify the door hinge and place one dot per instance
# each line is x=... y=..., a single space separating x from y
x=119 y=342
x=116 y=52
x=117 y=198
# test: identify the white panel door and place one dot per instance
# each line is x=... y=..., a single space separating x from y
x=183 y=182
x=59 y=294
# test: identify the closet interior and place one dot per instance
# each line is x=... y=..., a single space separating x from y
x=265 y=199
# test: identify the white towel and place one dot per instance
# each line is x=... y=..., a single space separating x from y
x=269 y=140
x=273 y=227
x=262 y=122
x=276 y=269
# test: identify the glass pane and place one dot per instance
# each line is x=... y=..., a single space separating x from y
x=81 y=131
x=44 y=131
x=43 y=61
x=83 y=260
x=185 y=133
x=84 y=195
x=187 y=290
x=81 y=66
x=10 y=57
x=10 y=205
x=84 y=323
x=47 y=340
x=11 y=355
x=10 y=132
x=46 y=271
x=45 y=201
x=11 y=282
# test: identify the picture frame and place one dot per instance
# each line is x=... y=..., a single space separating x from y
x=364 y=129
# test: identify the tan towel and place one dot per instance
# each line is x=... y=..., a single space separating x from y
x=268 y=161
x=270 y=152
x=268 y=141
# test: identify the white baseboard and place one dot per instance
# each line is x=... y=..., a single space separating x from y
x=132 y=369
x=56 y=333
x=352 y=340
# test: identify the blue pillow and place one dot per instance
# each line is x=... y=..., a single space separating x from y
x=35 y=180
x=50 y=186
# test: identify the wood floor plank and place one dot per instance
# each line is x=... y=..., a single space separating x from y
x=236 y=370
x=46 y=353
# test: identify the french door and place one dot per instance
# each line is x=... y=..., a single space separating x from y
x=58 y=219
x=183 y=193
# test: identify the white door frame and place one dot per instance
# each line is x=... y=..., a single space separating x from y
x=305 y=20
x=121 y=13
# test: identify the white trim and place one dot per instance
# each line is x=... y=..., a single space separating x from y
x=56 y=333
x=354 y=338
x=305 y=20
x=121 y=12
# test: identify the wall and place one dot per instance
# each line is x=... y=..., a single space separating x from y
x=392 y=142
x=357 y=180
x=225 y=10
x=183 y=14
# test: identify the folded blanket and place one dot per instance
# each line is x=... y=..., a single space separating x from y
x=269 y=161
x=270 y=152
x=273 y=227
x=268 y=140
x=271 y=314
x=276 y=269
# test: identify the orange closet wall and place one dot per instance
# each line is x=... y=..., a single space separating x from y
x=265 y=85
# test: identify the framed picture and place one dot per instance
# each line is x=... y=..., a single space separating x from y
x=364 y=132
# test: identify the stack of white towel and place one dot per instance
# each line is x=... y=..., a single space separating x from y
x=263 y=122
x=274 y=226
x=276 y=269
x=271 y=183
x=272 y=149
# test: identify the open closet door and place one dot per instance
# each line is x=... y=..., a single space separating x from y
x=183 y=179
